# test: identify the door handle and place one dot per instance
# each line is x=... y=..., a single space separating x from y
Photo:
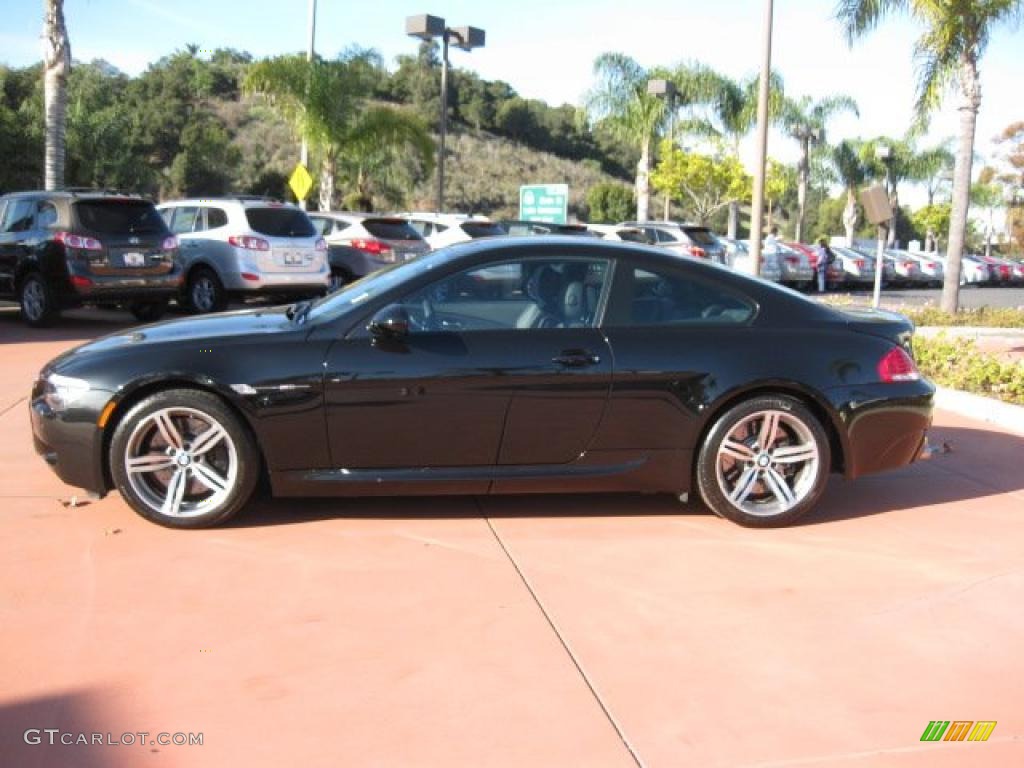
x=576 y=358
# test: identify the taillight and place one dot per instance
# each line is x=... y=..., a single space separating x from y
x=170 y=243
x=897 y=365
x=321 y=245
x=698 y=252
x=860 y=263
x=793 y=261
x=78 y=241
x=376 y=247
x=81 y=282
x=249 y=243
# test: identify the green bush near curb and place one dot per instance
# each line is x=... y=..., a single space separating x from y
x=983 y=317
x=957 y=363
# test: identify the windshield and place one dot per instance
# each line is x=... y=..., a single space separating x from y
x=391 y=229
x=373 y=285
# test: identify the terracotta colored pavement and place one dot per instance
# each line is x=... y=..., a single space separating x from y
x=533 y=631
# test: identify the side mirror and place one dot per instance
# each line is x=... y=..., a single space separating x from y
x=390 y=323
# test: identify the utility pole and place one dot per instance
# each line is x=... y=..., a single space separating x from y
x=757 y=212
x=304 y=151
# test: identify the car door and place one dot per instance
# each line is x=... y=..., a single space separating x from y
x=17 y=239
x=502 y=365
x=670 y=330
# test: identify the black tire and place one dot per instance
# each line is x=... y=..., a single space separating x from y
x=37 y=300
x=232 y=460
x=764 y=507
x=204 y=292
x=339 y=278
x=148 y=311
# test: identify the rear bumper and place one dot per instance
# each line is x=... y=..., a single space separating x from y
x=886 y=425
x=105 y=288
x=277 y=283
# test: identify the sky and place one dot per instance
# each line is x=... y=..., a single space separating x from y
x=545 y=49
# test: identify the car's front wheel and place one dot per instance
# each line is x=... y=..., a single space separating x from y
x=182 y=458
x=765 y=462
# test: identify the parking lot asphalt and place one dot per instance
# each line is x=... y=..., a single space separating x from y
x=519 y=631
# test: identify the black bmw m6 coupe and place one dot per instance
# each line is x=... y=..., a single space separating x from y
x=550 y=364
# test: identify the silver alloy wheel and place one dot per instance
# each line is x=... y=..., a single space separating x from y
x=204 y=294
x=33 y=300
x=768 y=463
x=181 y=462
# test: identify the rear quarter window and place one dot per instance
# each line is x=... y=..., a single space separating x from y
x=391 y=229
x=701 y=236
x=112 y=217
x=477 y=229
x=279 y=222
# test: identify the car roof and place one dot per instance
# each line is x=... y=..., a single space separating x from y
x=246 y=201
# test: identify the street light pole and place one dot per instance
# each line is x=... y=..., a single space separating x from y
x=444 y=120
x=304 y=149
x=666 y=89
x=426 y=28
x=757 y=212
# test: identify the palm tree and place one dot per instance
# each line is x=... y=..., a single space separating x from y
x=851 y=172
x=325 y=103
x=56 y=68
x=620 y=101
x=805 y=120
x=932 y=167
x=948 y=52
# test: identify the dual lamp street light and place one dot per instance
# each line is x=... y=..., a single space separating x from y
x=426 y=28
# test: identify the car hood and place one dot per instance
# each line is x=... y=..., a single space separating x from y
x=246 y=322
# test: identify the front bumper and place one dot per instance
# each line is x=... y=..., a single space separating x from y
x=70 y=442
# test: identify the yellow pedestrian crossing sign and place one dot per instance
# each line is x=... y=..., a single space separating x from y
x=300 y=182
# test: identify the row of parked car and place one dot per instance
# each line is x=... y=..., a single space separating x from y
x=74 y=247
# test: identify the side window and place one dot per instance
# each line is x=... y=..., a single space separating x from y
x=518 y=294
x=166 y=214
x=321 y=225
x=650 y=297
x=216 y=217
x=184 y=220
x=422 y=227
x=46 y=214
x=18 y=216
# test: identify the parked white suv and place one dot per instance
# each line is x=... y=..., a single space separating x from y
x=246 y=246
x=441 y=229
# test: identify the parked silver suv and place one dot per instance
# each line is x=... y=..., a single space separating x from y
x=245 y=246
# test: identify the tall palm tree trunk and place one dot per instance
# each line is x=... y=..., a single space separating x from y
x=802 y=182
x=971 y=101
x=56 y=67
x=643 y=181
x=327 y=175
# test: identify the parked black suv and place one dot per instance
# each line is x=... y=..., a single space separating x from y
x=68 y=248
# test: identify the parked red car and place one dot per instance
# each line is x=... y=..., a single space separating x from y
x=835 y=274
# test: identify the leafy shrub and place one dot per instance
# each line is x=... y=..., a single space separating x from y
x=957 y=363
x=984 y=317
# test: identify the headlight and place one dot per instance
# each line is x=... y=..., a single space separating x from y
x=61 y=391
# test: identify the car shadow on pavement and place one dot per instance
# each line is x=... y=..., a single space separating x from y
x=79 y=325
x=24 y=742
x=979 y=464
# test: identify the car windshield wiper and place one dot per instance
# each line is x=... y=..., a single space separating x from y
x=297 y=312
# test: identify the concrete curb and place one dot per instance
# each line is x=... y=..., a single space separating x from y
x=1005 y=415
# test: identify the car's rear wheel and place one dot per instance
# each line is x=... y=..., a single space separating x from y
x=148 y=311
x=38 y=303
x=206 y=292
x=765 y=462
x=182 y=458
x=339 y=279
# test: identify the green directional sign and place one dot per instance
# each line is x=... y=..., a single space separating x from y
x=544 y=202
